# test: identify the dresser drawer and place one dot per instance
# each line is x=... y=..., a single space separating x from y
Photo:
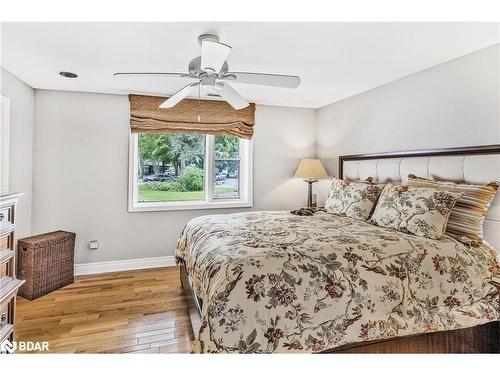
x=7 y=241
x=6 y=216
x=3 y=270
x=4 y=315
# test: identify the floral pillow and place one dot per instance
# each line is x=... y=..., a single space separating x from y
x=352 y=199
x=420 y=211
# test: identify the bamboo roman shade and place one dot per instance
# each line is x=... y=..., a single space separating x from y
x=216 y=117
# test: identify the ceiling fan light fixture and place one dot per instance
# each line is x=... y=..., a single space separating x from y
x=213 y=56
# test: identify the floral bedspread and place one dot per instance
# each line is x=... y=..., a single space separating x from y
x=273 y=282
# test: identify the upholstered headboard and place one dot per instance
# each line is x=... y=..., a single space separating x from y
x=477 y=165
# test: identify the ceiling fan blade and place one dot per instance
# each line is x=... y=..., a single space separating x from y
x=213 y=55
x=231 y=96
x=150 y=74
x=179 y=95
x=276 y=80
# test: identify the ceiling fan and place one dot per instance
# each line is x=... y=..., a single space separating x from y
x=211 y=70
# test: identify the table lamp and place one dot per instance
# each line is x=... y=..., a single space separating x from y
x=311 y=170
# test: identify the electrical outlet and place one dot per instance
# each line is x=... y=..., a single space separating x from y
x=93 y=245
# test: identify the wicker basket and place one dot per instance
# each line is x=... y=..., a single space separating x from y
x=46 y=262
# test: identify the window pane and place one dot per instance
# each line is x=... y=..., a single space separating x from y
x=226 y=167
x=171 y=167
x=226 y=147
x=227 y=179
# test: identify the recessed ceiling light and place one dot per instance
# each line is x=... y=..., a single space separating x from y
x=68 y=74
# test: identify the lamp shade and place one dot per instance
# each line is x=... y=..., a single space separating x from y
x=311 y=169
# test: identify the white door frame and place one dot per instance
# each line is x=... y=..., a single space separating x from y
x=4 y=143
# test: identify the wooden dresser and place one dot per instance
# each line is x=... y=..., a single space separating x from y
x=8 y=282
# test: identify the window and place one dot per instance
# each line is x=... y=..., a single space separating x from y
x=171 y=171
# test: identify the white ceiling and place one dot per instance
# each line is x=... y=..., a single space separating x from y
x=334 y=60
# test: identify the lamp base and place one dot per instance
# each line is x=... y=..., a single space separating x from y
x=309 y=192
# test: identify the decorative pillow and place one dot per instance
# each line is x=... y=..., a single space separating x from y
x=420 y=211
x=467 y=216
x=352 y=199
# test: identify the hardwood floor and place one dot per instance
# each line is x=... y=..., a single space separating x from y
x=143 y=311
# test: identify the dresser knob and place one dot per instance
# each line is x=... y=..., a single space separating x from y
x=3 y=319
x=2 y=216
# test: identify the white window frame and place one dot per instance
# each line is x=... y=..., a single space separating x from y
x=245 y=175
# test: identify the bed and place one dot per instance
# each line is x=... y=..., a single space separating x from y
x=272 y=282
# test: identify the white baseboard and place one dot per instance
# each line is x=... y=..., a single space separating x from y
x=123 y=265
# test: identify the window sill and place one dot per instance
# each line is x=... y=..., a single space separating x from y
x=181 y=206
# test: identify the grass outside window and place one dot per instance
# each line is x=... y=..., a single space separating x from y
x=147 y=194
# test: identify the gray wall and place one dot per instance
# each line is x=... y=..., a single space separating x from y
x=452 y=104
x=81 y=173
x=80 y=149
x=21 y=145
